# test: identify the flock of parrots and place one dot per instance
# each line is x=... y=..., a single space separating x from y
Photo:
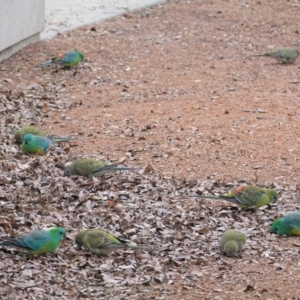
x=101 y=242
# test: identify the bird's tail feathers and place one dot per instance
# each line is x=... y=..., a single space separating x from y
x=116 y=168
x=110 y=168
x=12 y=242
x=61 y=139
x=221 y=197
x=54 y=60
x=46 y=63
x=257 y=55
x=139 y=247
x=125 y=245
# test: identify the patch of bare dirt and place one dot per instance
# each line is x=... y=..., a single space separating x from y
x=173 y=87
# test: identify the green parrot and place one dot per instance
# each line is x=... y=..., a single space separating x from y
x=92 y=167
x=284 y=55
x=232 y=242
x=288 y=225
x=68 y=59
x=19 y=134
x=36 y=242
x=248 y=196
x=101 y=242
x=35 y=144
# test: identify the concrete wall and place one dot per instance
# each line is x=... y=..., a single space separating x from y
x=21 y=22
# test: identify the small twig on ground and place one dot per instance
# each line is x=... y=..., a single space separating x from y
x=264 y=118
x=255 y=111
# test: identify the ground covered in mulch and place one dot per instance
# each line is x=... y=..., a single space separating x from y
x=171 y=89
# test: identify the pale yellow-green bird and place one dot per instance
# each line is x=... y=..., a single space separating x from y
x=21 y=132
x=248 y=196
x=92 y=167
x=232 y=242
x=101 y=242
x=284 y=55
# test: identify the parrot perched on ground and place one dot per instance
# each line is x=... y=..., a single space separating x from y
x=101 y=242
x=68 y=59
x=36 y=242
x=288 y=225
x=40 y=144
x=19 y=134
x=284 y=55
x=92 y=167
x=232 y=242
x=248 y=196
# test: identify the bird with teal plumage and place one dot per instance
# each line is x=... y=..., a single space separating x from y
x=68 y=59
x=92 y=168
x=36 y=242
x=288 y=225
x=35 y=144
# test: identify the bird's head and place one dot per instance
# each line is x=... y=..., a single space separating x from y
x=27 y=138
x=279 y=227
x=231 y=248
x=273 y=195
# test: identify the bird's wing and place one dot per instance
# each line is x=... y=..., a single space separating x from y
x=293 y=220
x=94 y=239
x=251 y=197
x=36 y=239
x=69 y=57
x=84 y=167
x=102 y=169
x=102 y=239
x=43 y=142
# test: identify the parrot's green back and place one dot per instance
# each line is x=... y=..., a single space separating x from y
x=288 y=225
x=91 y=167
x=83 y=167
x=284 y=55
x=37 y=242
x=101 y=242
x=248 y=196
x=20 y=133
